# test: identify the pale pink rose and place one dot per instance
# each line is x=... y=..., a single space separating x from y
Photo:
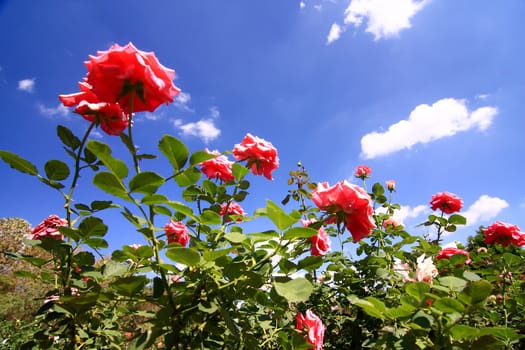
x=314 y=328
x=391 y=185
x=261 y=155
x=232 y=209
x=48 y=228
x=447 y=253
x=218 y=168
x=426 y=271
x=403 y=269
x=390 y=221
x=176 y=232
x=350 y=200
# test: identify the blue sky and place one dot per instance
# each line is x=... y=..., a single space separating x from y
x=428 y=93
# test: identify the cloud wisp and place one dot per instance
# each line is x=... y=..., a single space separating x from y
x=59 y=110
x=427 y=123
x=205 y=129
x=26 y=85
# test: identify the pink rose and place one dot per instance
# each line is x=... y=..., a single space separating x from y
x=390 y=221
x=362 y=172
x=350 y=200
x=109 y=116
x=314 y=328
x=218 y=168
x=176 y=232
x=447 y=253
x=321 y=243
x=48 y=228
x=391 y=185
x=504 y=234
x=447 y=202
x=260 y=154
x=233 y=209
x=113 y=74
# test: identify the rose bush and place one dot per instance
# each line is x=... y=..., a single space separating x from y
x=202 y=280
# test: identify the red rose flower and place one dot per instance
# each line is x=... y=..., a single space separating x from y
x=109 y=116
x=113 y=74
x=48 y=228
x=321 y=243
x=260 y=154
x=447 y=202
x=218 y=168
x=447 y=253
x=314 y=328
x=362 y=172
x=350 y=200
x=233 y=209
x=176 y=232
x=504 y=234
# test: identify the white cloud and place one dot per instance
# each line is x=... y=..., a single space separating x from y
x=59 y=110
x=27 y=85
x=406 y=212
x=426 y=123
x=485 y=208
x=335 y=33
x=204 y=129
x=385 y=18
x=182 y=101
x=214 y=112
x=97 y=134
x=151 y=116
x=302 y=4
x=482 y=96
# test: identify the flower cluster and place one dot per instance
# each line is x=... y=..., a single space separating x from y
x=349 y=202
x=176 y=233
x=261 y=155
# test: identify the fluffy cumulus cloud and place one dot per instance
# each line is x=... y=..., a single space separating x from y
x=59 y=110
x=384 y=18
x=205 y=129
x=27 y=85
x=427 y=123
x=485 y=208
x=334 y=34
x=406 y=212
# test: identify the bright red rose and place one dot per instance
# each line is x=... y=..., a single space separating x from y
x=362 y=172
x=447 y=253
x=233 y=209
x=48 y=228
x=447 y=202
x=260 y=154
x=176 y=232
x=109 y=116
x=314 y=328
x=504 y=234
x=321 y=243
x=218 y=168
x=352 y=201
x=113 y=74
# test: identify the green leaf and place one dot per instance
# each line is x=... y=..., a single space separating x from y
x=146 y=182
x=92 y=226
x=56 y=170
x=454 y=283
x=209 y=217
x=278 y=216
x=457 y=219
x=154 y=199
x=378 y=189
x=375 y=309
x=129 y=286
x=235 y=237
x=186 y=256
x=158 y=287
x=471 y=276
x=295 y=290
x=174 y=150
x=417 y=289
x=111 y=184
x=101 y=205
x=18 y=163
x=239 y=171
x=310 y=263
x=476 y=292
x=511 y=259
x=67 y=137
x=299 y=232
x=103 y=152
x=24 y=274
x=212 y=255
x=448 y=305
x=200 y=156
x=188 y=177
x=114 y=269
x=96 y=243
x=460 y=331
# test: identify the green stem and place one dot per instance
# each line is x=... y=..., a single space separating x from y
x=132 y=148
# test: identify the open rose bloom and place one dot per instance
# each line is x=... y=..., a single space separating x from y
x=48 y=228
x=362 y=172
x=447 y=202
x=321 y=243
x=218 y=168
x=447 y=253
x=260 y=154
x=350 y=201
x=177 y=233
x=504 y=234
x=313 y=326
x=232 y=209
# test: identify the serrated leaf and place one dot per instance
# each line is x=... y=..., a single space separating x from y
x=67 y=137
x=200 y=156
x=92 y=226
x=278 y=216
x=175 y=150
x=454 y=283
x=103 y=152
x=129 y=286
x=188 y=177
x=448 y=305
x=111 y=184
x=209 y=217
x=56 y=170
x=299 y=232
x=96 y=243
x=295 y=290
x=186 y=256
x=456 y=219
x=19 y=163
x=146 y=182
